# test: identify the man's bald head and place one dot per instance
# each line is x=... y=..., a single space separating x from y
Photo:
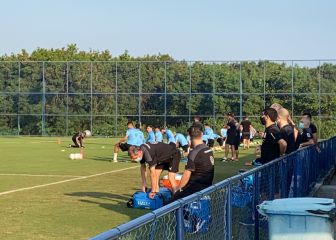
x=283 y=113
x=276 y=106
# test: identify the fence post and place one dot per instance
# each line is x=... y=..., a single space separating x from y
x=241 y=92
x=229 y=213
x=295 y=176
x=18 y=106
x=179 y=223
x=67 y=101
x=189 y=107
x=165 y=93
x=256 y=192
x=91 y=96
x=116 y=99
x=43 y=100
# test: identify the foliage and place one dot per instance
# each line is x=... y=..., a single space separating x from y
x=59 y=82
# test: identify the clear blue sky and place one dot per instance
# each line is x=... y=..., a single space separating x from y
x=185 y=29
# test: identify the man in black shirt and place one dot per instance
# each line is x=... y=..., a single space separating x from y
x=232 y=136
x=159 y=156
x=286 y=130
x=309 y=132
x=273 y=145
x=199 y=171
x=246 y=130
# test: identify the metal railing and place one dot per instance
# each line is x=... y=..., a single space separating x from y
x=232 y=204
x=57 y=98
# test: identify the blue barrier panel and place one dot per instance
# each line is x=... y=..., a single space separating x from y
x=210 y=213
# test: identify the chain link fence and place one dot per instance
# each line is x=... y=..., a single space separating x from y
x=227 y=210
x=59 y=98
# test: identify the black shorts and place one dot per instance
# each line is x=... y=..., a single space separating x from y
x=220 y=141
x=246 y=135
x=185 y=148
x=237 y=143
x=211 y=143
x=231 y=140
x=172 y=164
x=124 y=146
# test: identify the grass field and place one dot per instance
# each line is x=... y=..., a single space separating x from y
x=45 y=195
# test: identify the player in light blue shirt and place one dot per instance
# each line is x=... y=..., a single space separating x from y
x=151 y=135
x=209 y=133
x=182 y=142
x=224 y=132
x=158 y=134
x=127 y=141
x=169 y=135
x=140 y=136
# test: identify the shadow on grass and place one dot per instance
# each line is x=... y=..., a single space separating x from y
x=113 y=202
x=109 y=159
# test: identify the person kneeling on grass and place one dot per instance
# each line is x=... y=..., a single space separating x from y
x=159 y=157
x=77 y=139
x=133 y=137
x=199 y=171
x=182 y=142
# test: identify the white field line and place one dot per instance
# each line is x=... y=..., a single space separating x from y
x=37 y=175
x=64 y=181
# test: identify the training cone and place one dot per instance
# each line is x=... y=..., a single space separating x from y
x=58 y=141
x=82 y=153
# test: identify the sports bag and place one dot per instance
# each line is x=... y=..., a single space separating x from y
x=141 y=200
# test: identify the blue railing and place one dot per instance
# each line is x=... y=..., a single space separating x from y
x=231 y=204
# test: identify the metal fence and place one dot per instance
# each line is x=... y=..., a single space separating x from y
x=232 y=204
x=58 y=98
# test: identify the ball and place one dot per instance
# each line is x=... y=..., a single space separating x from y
x=88 y=133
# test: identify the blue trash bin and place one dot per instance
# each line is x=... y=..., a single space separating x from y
x=299 y=218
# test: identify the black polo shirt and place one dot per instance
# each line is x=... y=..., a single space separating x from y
x=287 y=133
x=270 y=147
x=232 y=131
x=201 y=164
x=157 y=153
x=246 y=126
x=307 y=133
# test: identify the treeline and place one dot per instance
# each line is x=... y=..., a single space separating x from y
x=75 y=89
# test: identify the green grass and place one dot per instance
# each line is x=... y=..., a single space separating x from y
x=75 y=209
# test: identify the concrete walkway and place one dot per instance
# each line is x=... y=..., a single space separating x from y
x=328 y=191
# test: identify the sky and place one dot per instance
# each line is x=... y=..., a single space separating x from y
x=184 y=29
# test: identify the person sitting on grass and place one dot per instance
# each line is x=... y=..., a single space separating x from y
x=77 y=139
x=159 y=157
x=199 y=171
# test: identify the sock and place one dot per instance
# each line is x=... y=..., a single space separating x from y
x=115 y=156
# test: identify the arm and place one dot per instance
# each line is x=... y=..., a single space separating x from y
x=124 y=139
x=315 y=138
x=143 y=177
x=283 y=146
x=305 y=144
x=185 y=179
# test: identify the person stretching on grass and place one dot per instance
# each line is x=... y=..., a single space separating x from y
x=130 y=139
x=77 y=139
x=159 y=157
